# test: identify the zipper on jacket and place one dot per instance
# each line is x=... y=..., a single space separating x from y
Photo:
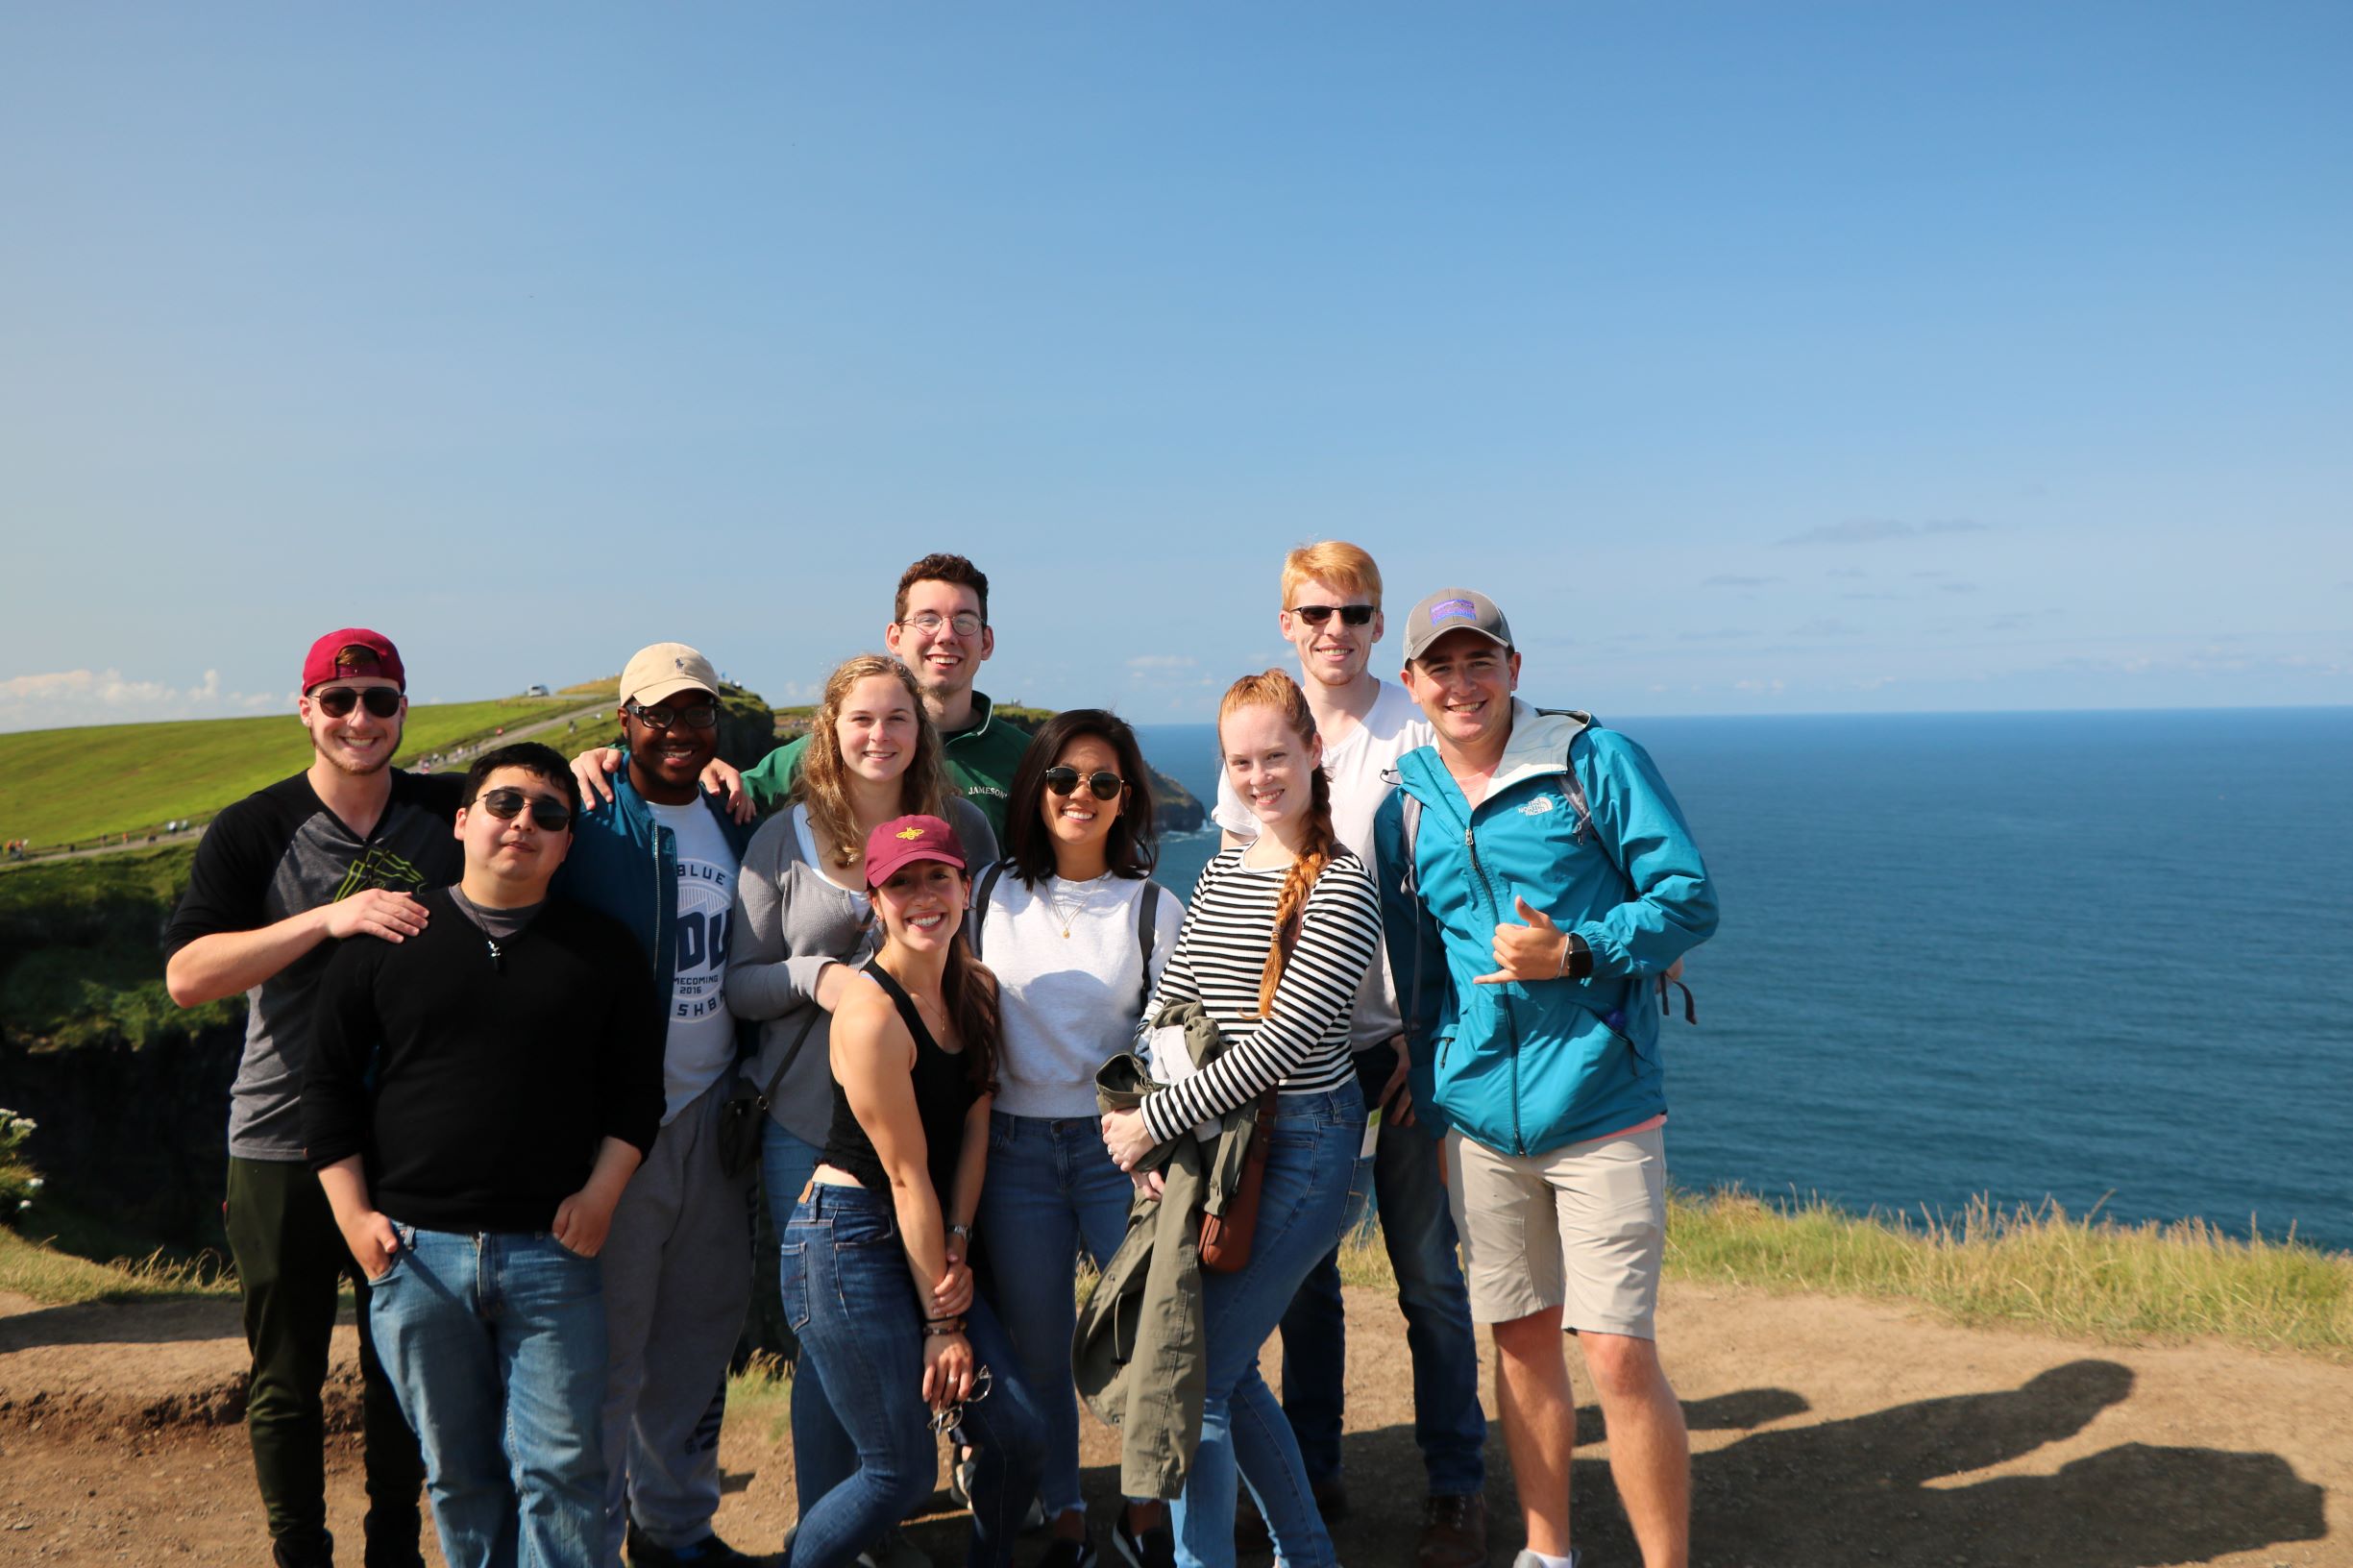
x=1511 y=1022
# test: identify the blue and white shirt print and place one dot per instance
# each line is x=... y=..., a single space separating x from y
x=702 y=1043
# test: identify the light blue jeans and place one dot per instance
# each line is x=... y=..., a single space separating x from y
x=823 y=1455
x=495 y=1343
x=1314 y=1180
x=1052 y=1191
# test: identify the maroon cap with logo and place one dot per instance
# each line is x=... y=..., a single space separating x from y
x=904 y=839
x=354 y=650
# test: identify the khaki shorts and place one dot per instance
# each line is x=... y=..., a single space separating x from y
x=1582 y=1228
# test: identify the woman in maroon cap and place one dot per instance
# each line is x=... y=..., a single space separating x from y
x=873 y=1278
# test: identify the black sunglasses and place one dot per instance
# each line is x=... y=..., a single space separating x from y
x=336 y=701
x=1351 y=615
x=1104 y=786
x=694 y=716
x=552 y=816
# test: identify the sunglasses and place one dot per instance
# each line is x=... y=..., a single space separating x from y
x=506 y=805
x=1351 y=615
x=338 y=701
x=1103 y=786
x=696 y=716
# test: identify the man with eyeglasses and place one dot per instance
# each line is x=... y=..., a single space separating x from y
x=1332 y=614
x=940 y=630
x=661 y=856
x=474 y=1104
x=339 y=851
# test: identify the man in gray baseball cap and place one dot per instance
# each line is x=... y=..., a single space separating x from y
x=1529 y=921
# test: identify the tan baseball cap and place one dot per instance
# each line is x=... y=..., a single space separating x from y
x=665 y=670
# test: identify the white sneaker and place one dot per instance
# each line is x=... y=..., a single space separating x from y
x=1529 y=1560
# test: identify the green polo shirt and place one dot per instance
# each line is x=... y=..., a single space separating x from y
x=981 y=759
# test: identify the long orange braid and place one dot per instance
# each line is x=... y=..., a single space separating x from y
x=1276 y=690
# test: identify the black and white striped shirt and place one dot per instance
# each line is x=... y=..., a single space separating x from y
x=1302 y=1046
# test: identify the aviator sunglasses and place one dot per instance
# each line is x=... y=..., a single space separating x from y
x=1103 y=786
x=1351 y=615
x=551 y=816
x=336 y=701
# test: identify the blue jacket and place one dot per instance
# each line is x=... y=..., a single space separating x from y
x=1527 y=1067
x=625 y=864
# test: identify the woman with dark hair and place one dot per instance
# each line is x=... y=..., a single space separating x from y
x=801 y=924
x=1076 y=933
x=885 y=1310
x=1279 y=933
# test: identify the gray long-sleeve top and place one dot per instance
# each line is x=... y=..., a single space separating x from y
x=789 y=924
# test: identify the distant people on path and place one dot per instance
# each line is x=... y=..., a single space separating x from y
x=475 y=1101
x=875 y=1280
x=802 y=923
x=1537 y=880
x=339 y=851
x=660 y=856
x=1077 y=934
x=1275 y=942
x=940 y=630
x=1330 y=614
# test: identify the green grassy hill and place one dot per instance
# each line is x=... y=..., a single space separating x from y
x=71 y=786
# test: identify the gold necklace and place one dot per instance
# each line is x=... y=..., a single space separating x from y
x=1069 y=913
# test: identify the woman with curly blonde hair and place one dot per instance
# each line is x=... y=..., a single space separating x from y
x=802 y=923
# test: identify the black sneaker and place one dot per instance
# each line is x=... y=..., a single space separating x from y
x=1063 y=1553
x=1155 y=1548
x=708 y=1553
x=304 y=1549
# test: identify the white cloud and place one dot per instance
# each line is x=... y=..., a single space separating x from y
x=1868 y=531
x=64 y=697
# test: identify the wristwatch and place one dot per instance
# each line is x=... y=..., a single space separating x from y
x=963 y=1231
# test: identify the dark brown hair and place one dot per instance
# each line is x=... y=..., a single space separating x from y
x=1134 y=845
x=941 y=568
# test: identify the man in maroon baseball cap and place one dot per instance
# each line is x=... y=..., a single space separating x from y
x=339 y=851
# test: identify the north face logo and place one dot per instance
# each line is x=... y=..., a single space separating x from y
x=1538 y=807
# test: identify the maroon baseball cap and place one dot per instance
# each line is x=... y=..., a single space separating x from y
x=354 y=650
x=904 y=839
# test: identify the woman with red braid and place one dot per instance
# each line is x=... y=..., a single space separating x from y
x=1278 y=935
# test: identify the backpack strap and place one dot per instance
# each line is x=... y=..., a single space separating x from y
x=1148 y=935
x=1569 y=786
x=980 y=903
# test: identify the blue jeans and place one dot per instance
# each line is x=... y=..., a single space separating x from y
x=848 y=1295
x=495 y=1343
x=823 y=1455
x=1448 y=1425
x=1052 y=1191
x=1312 y=1179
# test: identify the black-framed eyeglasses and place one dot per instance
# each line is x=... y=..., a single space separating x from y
x=1351 y=615
x=1103 y=786
x=929 y=622
x=948 y=1420
x=661 y=715
x=508 y=804
x=338 y=701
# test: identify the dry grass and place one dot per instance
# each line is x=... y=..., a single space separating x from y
x=59 y=1278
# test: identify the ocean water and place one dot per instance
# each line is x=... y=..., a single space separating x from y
x=2100 y=958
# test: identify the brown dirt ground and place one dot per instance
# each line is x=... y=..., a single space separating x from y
x=1825 y=1431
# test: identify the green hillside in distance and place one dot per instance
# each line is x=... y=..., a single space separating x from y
x=73 y=786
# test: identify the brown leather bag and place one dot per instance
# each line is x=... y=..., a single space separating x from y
x=1225 y=1238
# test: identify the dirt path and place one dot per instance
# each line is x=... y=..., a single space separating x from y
x=1824 y=1433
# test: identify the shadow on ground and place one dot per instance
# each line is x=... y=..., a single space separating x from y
x=1889 y=1487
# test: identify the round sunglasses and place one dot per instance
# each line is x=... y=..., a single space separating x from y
x=1102 y=786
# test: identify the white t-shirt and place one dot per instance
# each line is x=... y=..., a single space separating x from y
x=702 y=1044
x=1393 y=728
x=1069 y=1003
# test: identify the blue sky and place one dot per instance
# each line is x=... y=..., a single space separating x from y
x=1756 y=359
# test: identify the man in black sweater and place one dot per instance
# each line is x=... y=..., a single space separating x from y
x=476 y=1098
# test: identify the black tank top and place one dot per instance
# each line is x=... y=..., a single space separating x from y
x=942 y=1097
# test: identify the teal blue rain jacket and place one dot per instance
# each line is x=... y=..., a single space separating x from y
x=1527 y=1067
x=625 y=864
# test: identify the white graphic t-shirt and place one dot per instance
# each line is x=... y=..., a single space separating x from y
x=1393 y=728
x=702 y=1044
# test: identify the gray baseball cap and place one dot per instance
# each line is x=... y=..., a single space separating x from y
x=1455 y=609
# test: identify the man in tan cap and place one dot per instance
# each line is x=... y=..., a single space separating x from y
x=661 y=856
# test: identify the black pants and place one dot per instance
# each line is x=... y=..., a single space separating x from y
x=290 y=1260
